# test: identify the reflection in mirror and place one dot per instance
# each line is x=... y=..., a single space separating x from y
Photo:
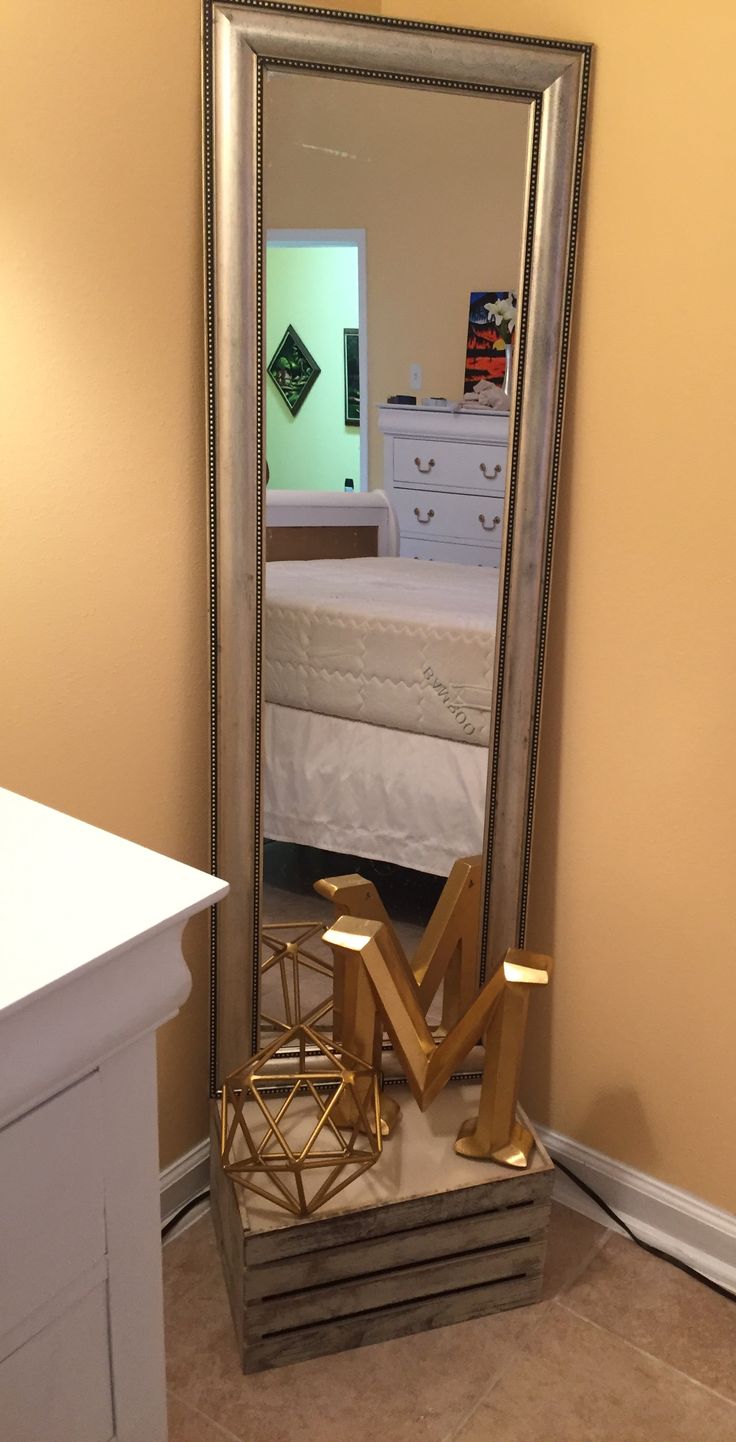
x=384 y=518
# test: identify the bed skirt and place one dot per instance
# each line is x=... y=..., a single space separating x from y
x=372 y=791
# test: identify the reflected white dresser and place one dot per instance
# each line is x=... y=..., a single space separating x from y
x=90 y=933
x=445 y=473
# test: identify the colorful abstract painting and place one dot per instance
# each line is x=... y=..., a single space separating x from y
x=293 y=370
x=491 y=325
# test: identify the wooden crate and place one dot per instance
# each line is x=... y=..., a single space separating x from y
x=423 y=1239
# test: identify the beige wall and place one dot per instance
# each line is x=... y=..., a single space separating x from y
x=402 y=165
x=104 y=566
x=103 y=611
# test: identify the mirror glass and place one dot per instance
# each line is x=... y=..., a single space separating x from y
x=394 y=219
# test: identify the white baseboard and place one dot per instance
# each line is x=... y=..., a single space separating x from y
x=184 y=1180
x=675 y=1221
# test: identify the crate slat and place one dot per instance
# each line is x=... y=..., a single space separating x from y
x=320 y=1232
x=351 y=1259
x=392 y=1285
x=399 y=1321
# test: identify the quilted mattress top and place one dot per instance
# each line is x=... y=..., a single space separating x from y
x=387 y=640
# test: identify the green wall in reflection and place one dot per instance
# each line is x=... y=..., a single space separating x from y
x=313 y=288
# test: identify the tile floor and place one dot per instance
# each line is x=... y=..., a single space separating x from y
x=622 y=1348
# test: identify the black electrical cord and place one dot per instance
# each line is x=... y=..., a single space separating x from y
x=645 y=1246
x=182 y=1212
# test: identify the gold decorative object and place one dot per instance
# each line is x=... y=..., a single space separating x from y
x=290 y=1148
x=448 y=951
x=383 y=988
x=290 y=977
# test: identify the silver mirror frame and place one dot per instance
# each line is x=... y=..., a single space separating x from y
x=240 y=40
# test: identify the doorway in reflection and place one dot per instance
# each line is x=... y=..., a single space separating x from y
x=315 y=286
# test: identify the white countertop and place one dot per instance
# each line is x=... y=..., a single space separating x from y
x=72 y=895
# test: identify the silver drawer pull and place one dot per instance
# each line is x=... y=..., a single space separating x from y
x=423 y=470
x=423 y=520
x=495 y=472
x=495 y=522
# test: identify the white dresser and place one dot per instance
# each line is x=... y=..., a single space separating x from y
x=445 y=473
x=91 y=965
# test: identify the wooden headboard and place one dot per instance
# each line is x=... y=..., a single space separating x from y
x=329 y=525
x=320 y=543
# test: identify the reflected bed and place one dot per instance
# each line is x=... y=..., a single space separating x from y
x=378 y=691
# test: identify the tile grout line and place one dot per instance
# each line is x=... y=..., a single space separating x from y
x=587 y=1262
x=196 y=1412
x=643 y=1353
x=544 y=1310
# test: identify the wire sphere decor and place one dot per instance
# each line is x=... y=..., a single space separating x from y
x=300 y=1121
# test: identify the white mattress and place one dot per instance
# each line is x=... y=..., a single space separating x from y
x=362 y=790
x=386 y=640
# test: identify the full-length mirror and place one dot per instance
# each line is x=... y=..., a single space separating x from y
x=383 y=520
x=390 y=229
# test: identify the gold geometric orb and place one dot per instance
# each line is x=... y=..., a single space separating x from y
x=296 y=983
x=301 y=1146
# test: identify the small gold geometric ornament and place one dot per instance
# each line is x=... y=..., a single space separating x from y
x=296 y=984
x=289 y=1148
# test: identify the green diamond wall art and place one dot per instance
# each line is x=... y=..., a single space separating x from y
x=293 y=370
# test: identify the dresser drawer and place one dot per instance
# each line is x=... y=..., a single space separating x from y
x=57 y=1388
x=52 y=1220
x=443 y=516
x=453 y=551
x=451 y=465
